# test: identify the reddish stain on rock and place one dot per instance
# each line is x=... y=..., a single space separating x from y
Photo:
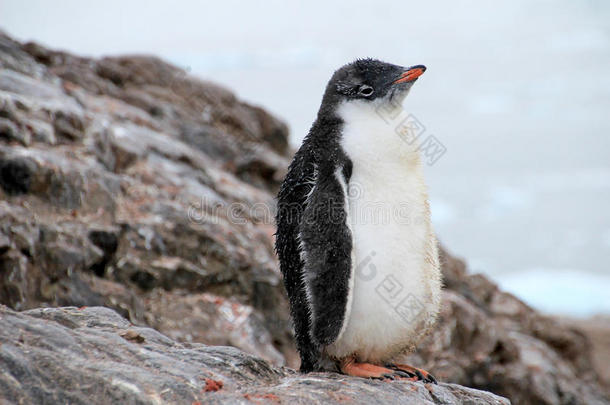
x=212 y=385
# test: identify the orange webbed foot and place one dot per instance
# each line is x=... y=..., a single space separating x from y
x=368 y=370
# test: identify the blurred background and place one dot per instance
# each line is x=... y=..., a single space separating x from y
x=518 y=92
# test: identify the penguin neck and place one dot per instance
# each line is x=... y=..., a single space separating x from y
x=369 y=136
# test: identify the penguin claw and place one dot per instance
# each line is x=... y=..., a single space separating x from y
x=413 y=373
x=402 y=374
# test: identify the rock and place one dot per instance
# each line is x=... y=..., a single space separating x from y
x=92 y=355
x=151 y=192
x=10 y=131
x=68 y=125
x=114 y=202
x=5 y=243
x=107 y=241
x=597 y=330
x=219 y=321
x=16 y=175
x=41 y=131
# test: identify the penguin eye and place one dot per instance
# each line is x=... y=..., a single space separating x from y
x=365 y=90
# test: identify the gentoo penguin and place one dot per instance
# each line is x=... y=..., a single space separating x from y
x=354 y=197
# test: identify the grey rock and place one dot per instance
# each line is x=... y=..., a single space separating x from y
x=41 y=131
x=68 y=125
x=16 y=175
x=110 y=206
x=94 y=356
x=5 y=243
x=10 y=131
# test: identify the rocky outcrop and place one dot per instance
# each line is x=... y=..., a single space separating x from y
x=597 y=330
x=126 y=183
x=93 y=355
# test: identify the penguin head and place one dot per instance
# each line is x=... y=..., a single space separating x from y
x=371 y=80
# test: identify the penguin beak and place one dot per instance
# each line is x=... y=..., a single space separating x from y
x=411 y=74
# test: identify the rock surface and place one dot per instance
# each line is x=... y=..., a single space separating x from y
x=93 y=355
x=597 y=330
x=140 y=188
x=126 y=183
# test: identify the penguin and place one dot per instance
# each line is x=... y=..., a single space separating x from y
x=357 y=251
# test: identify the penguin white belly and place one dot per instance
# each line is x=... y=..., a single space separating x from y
x=395 y=294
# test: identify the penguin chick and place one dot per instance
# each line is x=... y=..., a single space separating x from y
x=354 y=238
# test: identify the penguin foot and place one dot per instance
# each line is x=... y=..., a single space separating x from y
x=415 y=374
x=368 y=370
x=365 y=370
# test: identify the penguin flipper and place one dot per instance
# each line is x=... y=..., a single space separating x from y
x=326 y=248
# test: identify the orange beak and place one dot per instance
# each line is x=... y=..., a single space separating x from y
x=411 y=74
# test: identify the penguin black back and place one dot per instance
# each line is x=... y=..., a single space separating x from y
x=316 y=159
